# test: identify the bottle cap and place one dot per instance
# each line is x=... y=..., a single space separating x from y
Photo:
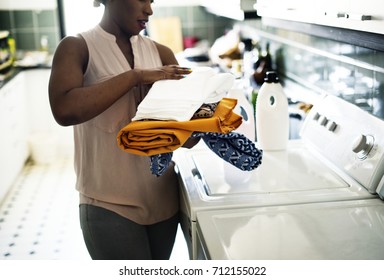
x=271 y=77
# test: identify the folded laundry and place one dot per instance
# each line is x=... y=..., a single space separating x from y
x=152 y=137
x=160 y=163
x=233 y=147
x=205 y=111
x=179 y=99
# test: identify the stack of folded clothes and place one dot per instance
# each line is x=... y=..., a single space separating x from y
x=178 y=100
x=175 y=110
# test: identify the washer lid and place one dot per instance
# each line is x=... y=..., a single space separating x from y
x=332 y=230
x=292 y=170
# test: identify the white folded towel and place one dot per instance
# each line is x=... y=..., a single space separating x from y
x=178 y=100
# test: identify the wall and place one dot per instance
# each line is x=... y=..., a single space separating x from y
x=196 y=21
x=351 y=72
x=29 y=26
x=354 y=73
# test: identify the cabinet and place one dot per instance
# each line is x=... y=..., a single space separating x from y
x=234 y=9
x=28 y=127
x=367 y=15
x=173 y=3
x=47 y=139
x=14 y=132
x=40 y=118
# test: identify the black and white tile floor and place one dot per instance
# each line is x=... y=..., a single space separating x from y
x=39 y=216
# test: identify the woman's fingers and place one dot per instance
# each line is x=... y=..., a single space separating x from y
x=169 y=72
x=175 y=72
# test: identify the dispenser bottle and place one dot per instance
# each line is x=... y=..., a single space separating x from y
x=249 y=58
x=245 y=109
x=272 y=118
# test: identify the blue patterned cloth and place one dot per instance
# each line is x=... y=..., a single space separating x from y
x=232 y=147
x=160 y=163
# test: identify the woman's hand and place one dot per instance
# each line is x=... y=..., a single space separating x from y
x=168 y=72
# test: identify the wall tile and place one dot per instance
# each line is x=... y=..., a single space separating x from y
x=196 y=21
x=378 y=58
x=200 y=15
x=24 y=19
x=27 y=27
x=353 y=73
x=364 y=55
x=26 y=41
x=53 y=39
x=46 y=18
x=181 y=12
x=378 y=96
x=5 y=20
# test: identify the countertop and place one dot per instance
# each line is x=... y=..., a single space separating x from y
x=25 y=61
x=5 y=78
x=14 y=71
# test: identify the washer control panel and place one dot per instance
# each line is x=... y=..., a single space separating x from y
x=348 y=137
x=363 y=145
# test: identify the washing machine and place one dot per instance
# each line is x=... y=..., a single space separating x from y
x=338 y=159
x=344 y=230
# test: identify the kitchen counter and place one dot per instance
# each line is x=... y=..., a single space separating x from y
x=5 y=78
x=12 y=73
x=26 y=60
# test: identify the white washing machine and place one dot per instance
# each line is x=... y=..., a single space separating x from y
x=344 y=230
x=339 y=158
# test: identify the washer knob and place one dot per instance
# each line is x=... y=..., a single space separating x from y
x=363 y=145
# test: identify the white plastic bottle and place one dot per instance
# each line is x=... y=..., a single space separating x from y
x=245 y=109
x=247 y=128
x=272 y=117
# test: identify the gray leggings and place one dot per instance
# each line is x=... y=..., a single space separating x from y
x=109 y=236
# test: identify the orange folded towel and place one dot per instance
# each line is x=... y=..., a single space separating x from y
x=150 y=137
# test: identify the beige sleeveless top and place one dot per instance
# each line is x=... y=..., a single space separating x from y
x=107 y=176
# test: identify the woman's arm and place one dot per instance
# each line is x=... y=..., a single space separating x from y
x=72 y=103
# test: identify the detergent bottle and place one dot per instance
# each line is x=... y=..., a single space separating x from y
x=233 y=175
x=243 y=108
x=272 y=117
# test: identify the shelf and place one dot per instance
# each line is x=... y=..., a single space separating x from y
x=364 y=39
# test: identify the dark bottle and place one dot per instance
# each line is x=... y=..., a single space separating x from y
x=263 y=65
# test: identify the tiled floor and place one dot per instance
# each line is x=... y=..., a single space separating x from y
x=39 y=216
